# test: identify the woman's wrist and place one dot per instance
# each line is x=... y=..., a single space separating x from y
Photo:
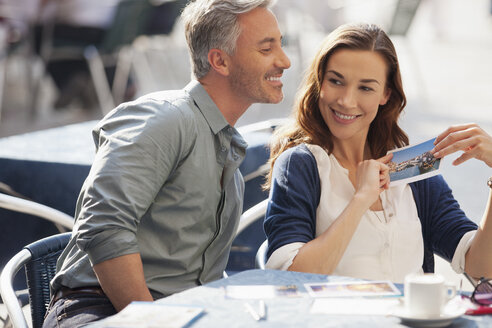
x=364 y=200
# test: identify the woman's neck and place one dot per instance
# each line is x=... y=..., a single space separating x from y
x=349 y=155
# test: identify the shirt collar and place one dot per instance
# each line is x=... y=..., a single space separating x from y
x=207 y=107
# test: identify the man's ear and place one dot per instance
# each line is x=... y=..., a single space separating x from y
x=386 y=97
x=219 y=61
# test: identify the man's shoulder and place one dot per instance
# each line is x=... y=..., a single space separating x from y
x=156 y=115
x=175 y=99
x=162 y=108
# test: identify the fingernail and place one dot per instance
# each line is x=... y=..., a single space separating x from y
x=436 y=154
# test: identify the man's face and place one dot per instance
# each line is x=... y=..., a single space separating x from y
x=259 y=60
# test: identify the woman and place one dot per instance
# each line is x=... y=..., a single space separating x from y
x=332 y=209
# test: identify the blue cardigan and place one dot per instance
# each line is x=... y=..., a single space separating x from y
x=295 y=195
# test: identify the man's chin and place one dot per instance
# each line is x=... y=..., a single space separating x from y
x=278 y=99
x=275 y=98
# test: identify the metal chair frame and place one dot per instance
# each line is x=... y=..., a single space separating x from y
x=261 y=255
x=30 y=207
x=39 y=260
x=7 y=292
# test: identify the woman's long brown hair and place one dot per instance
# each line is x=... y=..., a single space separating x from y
x=308 y=126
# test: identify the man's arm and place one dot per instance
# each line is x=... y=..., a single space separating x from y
x=122 y=279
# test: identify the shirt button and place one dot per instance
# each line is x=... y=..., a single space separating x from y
x=236 y=157
x=223 y=149
x=386 y=245
x=229 y=129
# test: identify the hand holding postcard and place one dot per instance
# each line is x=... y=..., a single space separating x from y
x=413 y=163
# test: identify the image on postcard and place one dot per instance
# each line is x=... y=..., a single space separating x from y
x=413 y=163
x=352 y=289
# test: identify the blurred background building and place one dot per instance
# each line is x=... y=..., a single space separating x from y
x=444 y=46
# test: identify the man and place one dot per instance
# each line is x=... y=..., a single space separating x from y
x=160 y=206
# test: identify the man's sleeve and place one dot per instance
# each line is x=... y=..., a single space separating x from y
x=138 y=149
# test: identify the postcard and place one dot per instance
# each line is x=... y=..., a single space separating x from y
x=260 y=291
x=154 y=315
x=413 y=163
x=354 y=306
x=352 y=289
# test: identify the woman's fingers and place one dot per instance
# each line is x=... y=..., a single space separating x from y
x=385 y=159
x=465 y=145
x=469 y=138
x=372 y=179
x=455 y=140
x=384 y=178
x=453 y=129
x=463 y=158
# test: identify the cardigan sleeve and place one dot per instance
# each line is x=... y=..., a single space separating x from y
x=294 y=198
x=443 y=221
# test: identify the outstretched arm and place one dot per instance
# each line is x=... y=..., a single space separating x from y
x=474 y=142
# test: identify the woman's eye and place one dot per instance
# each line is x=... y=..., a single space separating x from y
x=266 y=50
x=366 y=88
x=335 y=81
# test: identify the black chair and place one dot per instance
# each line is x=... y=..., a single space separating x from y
x=39 y=261
x=250 y=232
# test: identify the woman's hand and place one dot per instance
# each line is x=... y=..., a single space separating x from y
x=469 y=138
x=373 y=177
x=323 y=253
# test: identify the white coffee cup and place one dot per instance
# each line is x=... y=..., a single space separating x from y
x=427 y=294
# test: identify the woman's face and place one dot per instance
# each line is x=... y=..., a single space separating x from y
x=354 y=86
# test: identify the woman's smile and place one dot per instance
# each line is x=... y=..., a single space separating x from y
x=344 y=118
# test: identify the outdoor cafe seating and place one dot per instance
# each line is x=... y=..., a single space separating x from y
x=48 y=173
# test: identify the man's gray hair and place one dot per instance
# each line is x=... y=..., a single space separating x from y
x=212 y=24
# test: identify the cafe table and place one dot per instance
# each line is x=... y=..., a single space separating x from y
x=221 y=311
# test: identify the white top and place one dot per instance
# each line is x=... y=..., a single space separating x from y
x=387 y=244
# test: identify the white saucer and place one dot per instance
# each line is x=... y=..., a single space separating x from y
x=445 y=319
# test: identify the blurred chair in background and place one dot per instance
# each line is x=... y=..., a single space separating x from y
x=85 y=59
x=74 y=25
x=159 y=57
x=94 y=63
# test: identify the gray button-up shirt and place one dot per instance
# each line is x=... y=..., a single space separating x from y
x=164 y=183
